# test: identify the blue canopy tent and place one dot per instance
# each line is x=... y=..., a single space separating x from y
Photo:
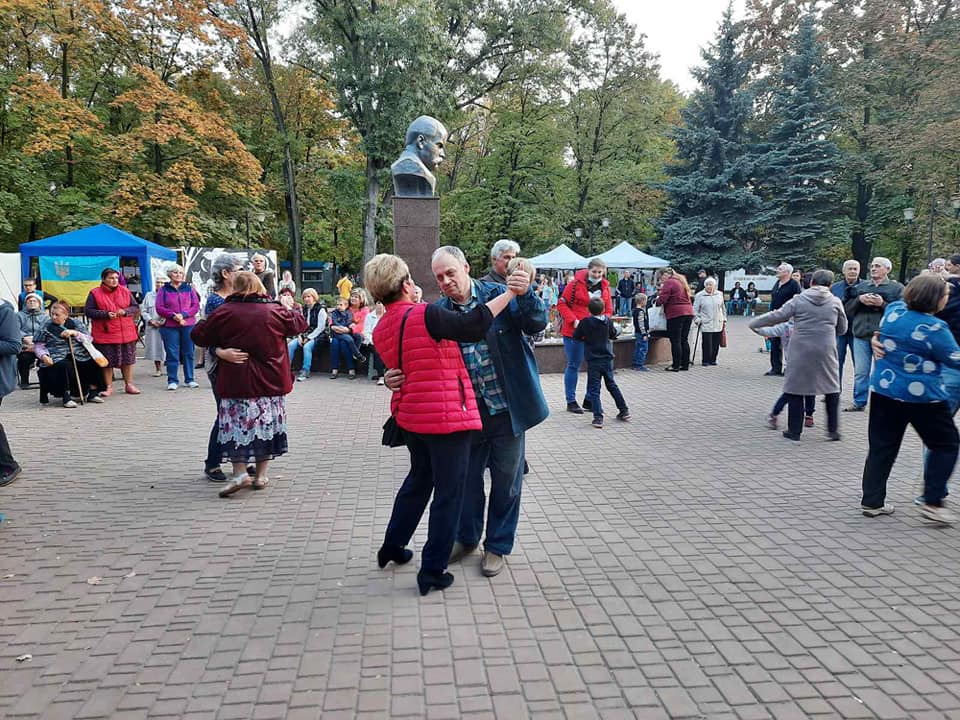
x=98 y=241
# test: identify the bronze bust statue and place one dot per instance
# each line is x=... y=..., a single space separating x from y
x=413 y=170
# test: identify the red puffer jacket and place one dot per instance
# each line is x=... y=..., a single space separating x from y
x=111 y=331
x=573 y=303
x=259 y=326
x=437 y=396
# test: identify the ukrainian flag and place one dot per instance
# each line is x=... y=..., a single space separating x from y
x=72 y=278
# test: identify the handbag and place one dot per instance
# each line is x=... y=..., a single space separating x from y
x=723 y=335
x=393 y=434
x=657 y=319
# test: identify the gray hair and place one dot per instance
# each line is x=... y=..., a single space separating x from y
x=786 y=266
x=710 y=281
x=501 y=246
x=258 y=255
x=173 y=267
x=850 y=262
x=222 y=262
x=451 y=250
x=822 y=277
x=884 y=261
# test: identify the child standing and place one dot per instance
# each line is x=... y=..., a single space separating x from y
x=597 y=333
x=906 y=388
x=641 y=330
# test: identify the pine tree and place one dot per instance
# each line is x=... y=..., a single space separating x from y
x=713 y=209
x=796 y=168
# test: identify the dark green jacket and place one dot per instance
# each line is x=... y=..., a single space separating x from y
x=865 y=319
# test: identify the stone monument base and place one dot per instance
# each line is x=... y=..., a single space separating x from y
x=416 y=234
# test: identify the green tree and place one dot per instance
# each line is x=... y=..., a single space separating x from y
x=713 y=210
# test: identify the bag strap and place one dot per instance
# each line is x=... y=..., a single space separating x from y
x=400 y=341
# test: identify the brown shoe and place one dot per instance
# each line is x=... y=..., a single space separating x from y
x=459 y=552
x=492 y=564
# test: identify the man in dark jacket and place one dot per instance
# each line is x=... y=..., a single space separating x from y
x=626 y=291
x=865 y=310
x=785 y=289
x=10 y=345
x=502 y=252
x=845 y=289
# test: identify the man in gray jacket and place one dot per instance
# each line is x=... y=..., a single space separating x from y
x=865 y=307
x=10 y=345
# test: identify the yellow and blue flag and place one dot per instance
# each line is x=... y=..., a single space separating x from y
x=72 y=278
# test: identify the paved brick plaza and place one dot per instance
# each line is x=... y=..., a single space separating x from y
x=689 y=564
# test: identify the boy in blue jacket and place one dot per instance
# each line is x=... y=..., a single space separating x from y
x=597 y=333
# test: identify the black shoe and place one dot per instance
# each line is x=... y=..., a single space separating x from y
x=684 y=368
x=833 y=436
x=44 y=399
x=773 y=373
x=791 y=436
x=586 y=404
x=8 y=476
x=572 y=407
x=25 y=386
x=252 y=470
x=623 y=415
x=390 y=553
x=215 y=475
x=672 y=369
x=428 y=581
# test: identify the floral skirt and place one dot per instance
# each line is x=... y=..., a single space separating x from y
x=118 y=354
x=252 y=429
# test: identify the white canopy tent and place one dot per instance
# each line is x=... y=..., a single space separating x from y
x=560 y=258
x=625 y=256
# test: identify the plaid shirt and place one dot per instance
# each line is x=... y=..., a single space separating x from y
x=483 y=375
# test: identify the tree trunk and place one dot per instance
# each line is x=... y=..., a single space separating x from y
x=370 y=211
x=64 y=89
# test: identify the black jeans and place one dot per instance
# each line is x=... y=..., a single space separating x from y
x=214 y=455
x=438 y=466
x=888 y=421
x=597 y=370
x=776 y=354
x=800 y=405
x=7 y=463
x=678 y=330
x=711 y=346
x=25 y=361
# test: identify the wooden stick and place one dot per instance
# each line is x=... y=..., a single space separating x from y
x=76 y=371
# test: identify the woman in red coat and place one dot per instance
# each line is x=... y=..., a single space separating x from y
x=674 y=297
x=111 y=309
x=572 y=307
x=436 y=406
x=252 y=411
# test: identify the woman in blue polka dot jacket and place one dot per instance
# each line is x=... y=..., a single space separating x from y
x=906 y=388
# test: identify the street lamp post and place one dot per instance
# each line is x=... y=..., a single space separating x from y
x=909 y=213
x=578 y=233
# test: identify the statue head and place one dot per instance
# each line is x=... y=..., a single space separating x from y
x=427 y=137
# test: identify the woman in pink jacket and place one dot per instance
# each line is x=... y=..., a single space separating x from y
x=178 y=305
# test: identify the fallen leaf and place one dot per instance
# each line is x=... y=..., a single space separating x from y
x=95 y=580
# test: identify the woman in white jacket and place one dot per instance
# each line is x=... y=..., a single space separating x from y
x=710 y=315
x=152 y=322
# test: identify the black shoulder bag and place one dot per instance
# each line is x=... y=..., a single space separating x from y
x=393 y=434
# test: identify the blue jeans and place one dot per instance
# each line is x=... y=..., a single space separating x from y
x=438 y=465
x=180 y=350
x=573 y=349
x=624 y=305
x=844 y=343
x=603 y=370
x=307 y=352
x=341 y=350
x=862 y=364
x=733 y=306
x=640 y=352
x=809 y=404
x=497 y=447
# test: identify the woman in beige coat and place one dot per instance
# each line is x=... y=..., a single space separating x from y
x=710 y=315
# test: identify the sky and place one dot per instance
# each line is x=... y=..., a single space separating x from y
x=676 y=30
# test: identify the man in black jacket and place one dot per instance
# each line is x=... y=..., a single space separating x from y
x=785 y=289
x=626 y=291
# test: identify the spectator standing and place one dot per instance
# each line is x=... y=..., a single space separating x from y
x=818 y=317
x=597 y=333
x=782 y=292
x=710 y=315
x=267 y=277
x=345 y=285
x=674 y=297
x=29 y=286
x=845 y=290
x=701 y=279
x=316 y=316
x=572 y=307
x=178 y=305
x=865 y=308
x=152 y=322
x=641 y=333
x=32 y=319
x=111 y=309
x=10 y=346
x=626 y=292
x=738 y=299
x=252 y=414
x=502 y=252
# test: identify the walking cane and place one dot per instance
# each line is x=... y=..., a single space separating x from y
x=696 y=342
x=76 y=370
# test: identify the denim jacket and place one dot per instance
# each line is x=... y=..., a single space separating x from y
x=521 y=379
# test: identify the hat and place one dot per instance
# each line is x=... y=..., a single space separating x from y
x=33 y=295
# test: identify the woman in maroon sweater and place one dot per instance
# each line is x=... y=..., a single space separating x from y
x=674 y=297
x=252 y=412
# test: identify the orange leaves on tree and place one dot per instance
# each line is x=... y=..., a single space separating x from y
x=56 y=121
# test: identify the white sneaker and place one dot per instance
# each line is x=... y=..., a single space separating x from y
x=936 y=514
x=193 y=384
x=171 y=386
x=301 y=377
x=69 y=404
x=874 y=512
x=380 y=382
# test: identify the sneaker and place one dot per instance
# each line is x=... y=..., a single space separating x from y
x=597 y=422
x=334 y=375
x=303 y=376
x=94 y=398
x=573 y=407
x=69 y=404
x=833 y=436
x=380 y=382
x=171 y=386
x=623 y=415
x=352 y=374
x=936 y=514
x=808 y=421
x=10 y=475
x=193 y=384
x=492 y=564
x=791 y=436
x=854 y=408
x=586 y=404
x=772 y=421
x=874 y=512
x=215 y=475
x=919 y=500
